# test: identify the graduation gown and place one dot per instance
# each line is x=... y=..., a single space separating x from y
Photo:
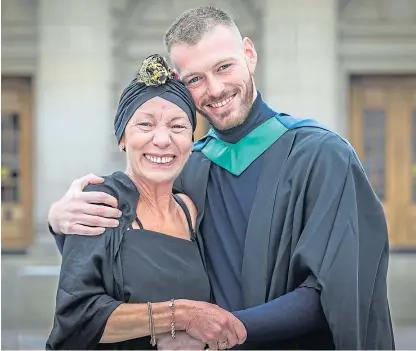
x=315 y=222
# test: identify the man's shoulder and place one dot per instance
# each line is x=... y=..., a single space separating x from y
x=195 y=160
x=192 y=171
x=310 y=134
x=315 y=136
x=314 y=142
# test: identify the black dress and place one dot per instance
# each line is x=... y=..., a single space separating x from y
x=157 y=267
x=123 y=265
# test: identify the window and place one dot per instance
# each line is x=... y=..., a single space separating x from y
x=10 y=153
x=375 y=149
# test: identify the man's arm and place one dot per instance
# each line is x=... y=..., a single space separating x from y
x=343 y=242
x=289 y=316
x=77 y=212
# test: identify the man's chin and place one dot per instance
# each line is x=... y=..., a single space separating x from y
x=222 y=123
x=227 y=123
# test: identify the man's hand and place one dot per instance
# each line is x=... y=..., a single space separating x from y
x=182 y=341
x=211 y=324
x=76 y=212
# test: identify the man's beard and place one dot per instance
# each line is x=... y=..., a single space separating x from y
x=243 y=110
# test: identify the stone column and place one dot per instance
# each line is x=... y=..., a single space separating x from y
x=301 y=58
x=73 y=102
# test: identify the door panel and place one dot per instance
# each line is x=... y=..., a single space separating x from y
x=369 y=126
x=413 y=170
x=408 y=207
x=383 y=131
x=16 y=166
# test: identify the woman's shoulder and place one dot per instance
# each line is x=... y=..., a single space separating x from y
x=117 y=184
x=191 y=207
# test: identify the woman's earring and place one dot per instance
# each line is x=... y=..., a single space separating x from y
x=122 y=148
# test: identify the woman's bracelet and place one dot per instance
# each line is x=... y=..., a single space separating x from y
x=173 y=322
x=151 y=325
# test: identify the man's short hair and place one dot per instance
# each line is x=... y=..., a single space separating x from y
x=190 y=27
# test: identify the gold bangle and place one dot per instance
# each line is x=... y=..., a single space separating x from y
x=151 y=325
x=173 y=322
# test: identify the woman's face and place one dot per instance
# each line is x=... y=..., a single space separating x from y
x=158 y=141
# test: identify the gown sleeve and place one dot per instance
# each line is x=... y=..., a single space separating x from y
x=59 y=240
x=287 y=317
x=178 y=184
x=83 y=303
x=344 y=246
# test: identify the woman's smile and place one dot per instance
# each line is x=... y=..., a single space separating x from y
x=160 y=160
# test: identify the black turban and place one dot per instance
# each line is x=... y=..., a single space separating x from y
x=155 y=78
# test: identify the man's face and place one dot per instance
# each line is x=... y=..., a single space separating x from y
x=218 y=72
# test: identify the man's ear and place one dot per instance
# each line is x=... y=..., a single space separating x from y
x=250 y=54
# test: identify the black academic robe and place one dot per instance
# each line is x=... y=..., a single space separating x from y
x=315 y=222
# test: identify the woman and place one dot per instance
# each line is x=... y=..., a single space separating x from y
x=140 y=283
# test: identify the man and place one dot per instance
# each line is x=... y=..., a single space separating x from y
x=295 y=240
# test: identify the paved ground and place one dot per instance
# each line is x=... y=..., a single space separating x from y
x=29 y=284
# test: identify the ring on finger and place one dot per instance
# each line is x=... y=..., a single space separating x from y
x=222 y=345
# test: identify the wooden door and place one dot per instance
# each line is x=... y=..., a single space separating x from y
x=16 y=164
x=202 y=127
x=407 y=207
x=383 y=132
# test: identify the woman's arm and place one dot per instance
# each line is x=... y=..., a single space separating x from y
x=82 y=303
x=86 y=315
x=203 y=321
x=130 y=321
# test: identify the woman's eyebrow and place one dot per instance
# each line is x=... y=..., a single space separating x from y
x=177 y=117
x=149 y=114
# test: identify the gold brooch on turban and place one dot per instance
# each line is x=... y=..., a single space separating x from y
x=154 y=71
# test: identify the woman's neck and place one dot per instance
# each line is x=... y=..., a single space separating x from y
x=155 y=199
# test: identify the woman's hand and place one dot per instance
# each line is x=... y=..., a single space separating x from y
x=182 y=341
